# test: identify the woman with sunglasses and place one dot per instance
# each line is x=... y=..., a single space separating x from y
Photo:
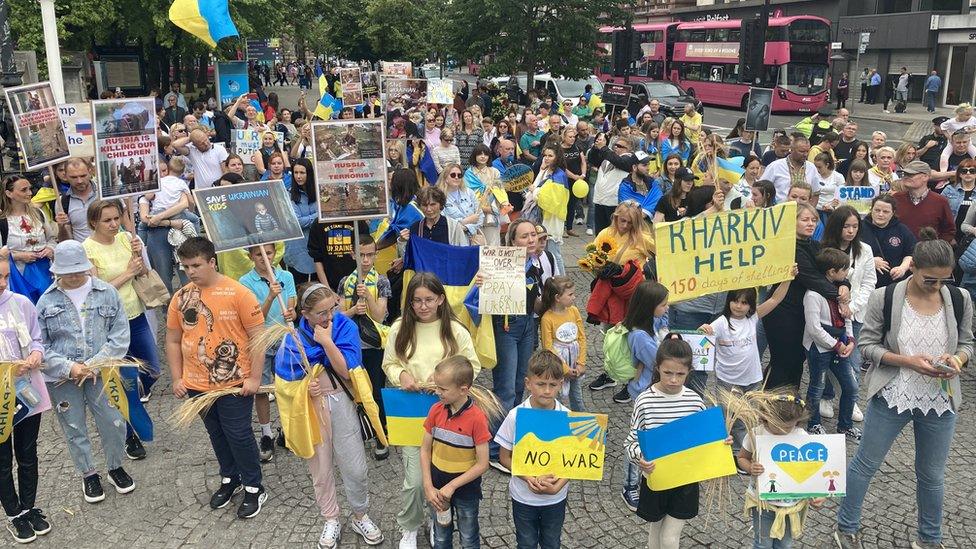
x=960 y=196
x=462 y=203
x=913 y=378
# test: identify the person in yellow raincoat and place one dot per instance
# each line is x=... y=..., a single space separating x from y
x=330 y=341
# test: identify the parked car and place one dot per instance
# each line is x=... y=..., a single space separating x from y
x=672 y=98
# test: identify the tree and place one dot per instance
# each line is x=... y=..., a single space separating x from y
x=558 y=36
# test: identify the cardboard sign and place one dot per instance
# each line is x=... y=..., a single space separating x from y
x=37 y=123
x=351 y=81
x=371 y=83
x=248 y=214
x=405 y=415
x=760 y=106
x=702 y=349
x=350 y=170
x=687 y=450
x=798 y=466
x=77 y=121
x=396 y=69
x=440 y=91
x=728 y=250
x=403 y=97
x=503 y=290
x=232 y=81
x=858 y=198
x=248 y=142
x=126 y=156
x=616 y=94
x=559 y=443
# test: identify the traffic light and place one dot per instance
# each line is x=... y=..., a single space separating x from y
x=622 y=51
x=752 y=48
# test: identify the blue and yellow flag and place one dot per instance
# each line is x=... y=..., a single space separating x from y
x=405 y=415
x=647 y=202
x=687 y=450
x=404 y=217
x=553 y=197
x=456 y=267
x=122 y=391
x=729 y=169
x=208 y=20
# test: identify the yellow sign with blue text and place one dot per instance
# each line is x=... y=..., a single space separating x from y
x=725 y=251
x=563 y=444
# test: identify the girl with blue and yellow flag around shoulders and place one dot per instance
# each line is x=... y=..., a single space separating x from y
x=322 y=397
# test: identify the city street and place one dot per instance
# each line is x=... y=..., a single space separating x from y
x=169 y=507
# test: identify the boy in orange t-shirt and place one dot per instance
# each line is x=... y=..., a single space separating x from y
x=211 y=320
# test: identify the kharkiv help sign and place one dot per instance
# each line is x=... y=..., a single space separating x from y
x=725 y=251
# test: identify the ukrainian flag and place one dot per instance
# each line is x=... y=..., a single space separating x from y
x=456 y=267
x=553 y=197
x=729 y=169
x=687 y=450
x=405 y=415
x=404 y=217
x=122 y=391
x=208 y=20
x=328 y=104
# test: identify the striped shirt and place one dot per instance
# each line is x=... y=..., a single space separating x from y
x=456 y=436
x=654 y=408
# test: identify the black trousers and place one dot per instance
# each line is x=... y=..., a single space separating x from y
x=784 y=333
x=22 y=444
x=602 y=217
x=864 y=93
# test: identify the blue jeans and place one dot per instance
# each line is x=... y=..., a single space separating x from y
x=933 y=434
x=855 y=358
x=161 y=256
x=686 y=320
x=555 y=250
x=466 y=521
x=575 y=394
x=512 y=349
x=589 y=203
x=71 y=404
x=762 y=521
x=229 y=425
x=930 y=100
x=819 y=363
x=142 y=345
x=540 y=527
x=632 y=474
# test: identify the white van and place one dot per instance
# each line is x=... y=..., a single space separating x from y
x=562 y=89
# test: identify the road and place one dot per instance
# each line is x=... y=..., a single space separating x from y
x=722 y=120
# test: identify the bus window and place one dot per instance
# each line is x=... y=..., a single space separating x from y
x=804 y=78
x=722 y=35
x=731 y=74
x=770 y=76
x=696 y=35
x=809 y=31
x=735 y=35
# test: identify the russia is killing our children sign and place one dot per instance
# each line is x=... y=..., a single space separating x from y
x=126 y=156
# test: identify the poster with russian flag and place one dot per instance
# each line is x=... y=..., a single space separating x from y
x=687 y=450
x=77 y=121
x=405 y=415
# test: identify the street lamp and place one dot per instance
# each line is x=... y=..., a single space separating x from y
x=52 y=49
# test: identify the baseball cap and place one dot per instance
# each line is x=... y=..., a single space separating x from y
x=642 y=157
x=916 y=167
x=70 y=258
x=684 y=174
x=938 y=120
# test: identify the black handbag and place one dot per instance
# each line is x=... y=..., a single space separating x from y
x=365 y=427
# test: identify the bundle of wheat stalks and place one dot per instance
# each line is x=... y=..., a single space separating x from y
x=483 y=398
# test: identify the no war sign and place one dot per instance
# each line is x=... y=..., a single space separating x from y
x=725 y=251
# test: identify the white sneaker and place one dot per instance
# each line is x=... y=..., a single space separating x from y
x=589 y=232
x=330 y=534
x=857 y=415
x=826 y=408
x=368 y=529
x=409 y=539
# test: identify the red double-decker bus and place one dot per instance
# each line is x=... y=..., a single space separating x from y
x=704 y=59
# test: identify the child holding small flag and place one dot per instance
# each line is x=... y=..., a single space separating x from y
x=538 y=503
x=454 y=454
x=666 y=400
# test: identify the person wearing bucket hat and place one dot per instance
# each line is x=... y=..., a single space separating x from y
x=83 y=323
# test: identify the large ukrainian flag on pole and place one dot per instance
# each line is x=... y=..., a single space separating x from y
x=208 y=20
x=456 y=267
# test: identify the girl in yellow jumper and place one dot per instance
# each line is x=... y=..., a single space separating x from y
x=426 y=334
x=562 y=333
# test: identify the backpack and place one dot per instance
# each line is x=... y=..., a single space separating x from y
x=955 y=294
x=618 y=361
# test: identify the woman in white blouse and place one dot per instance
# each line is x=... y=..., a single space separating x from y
x=913 y=378
x=30 y=236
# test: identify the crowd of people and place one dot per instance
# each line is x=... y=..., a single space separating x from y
x=873 y=304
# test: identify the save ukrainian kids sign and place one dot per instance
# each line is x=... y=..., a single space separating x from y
x=725 y=251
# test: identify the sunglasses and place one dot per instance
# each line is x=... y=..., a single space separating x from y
x=619 y=146
x=967 y=170
x=454 y=175
x=932 y=281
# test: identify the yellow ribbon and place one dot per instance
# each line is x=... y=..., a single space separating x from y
x=8 y=400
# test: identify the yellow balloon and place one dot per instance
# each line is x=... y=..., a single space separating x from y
x=580 y=189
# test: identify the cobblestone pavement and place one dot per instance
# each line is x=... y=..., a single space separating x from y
x=169 y=507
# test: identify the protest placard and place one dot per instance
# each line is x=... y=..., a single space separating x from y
x=702 y=349
x=126 y=156
x=405 y=415
x=559 y=443
x=77 y=121
x=404 y=96
x=232 y=81
x=760 y=106
x=371 y=83
x=247 y=214
x=616 y=94
x=727 y=250
x=686 y=450
x=351 y=80
x=396 y=69
x=247 y=142
x=798 y=466
x=350 y=169
x=440 y=91
x=503 y=289
x=858 y=198
x=37 y=124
